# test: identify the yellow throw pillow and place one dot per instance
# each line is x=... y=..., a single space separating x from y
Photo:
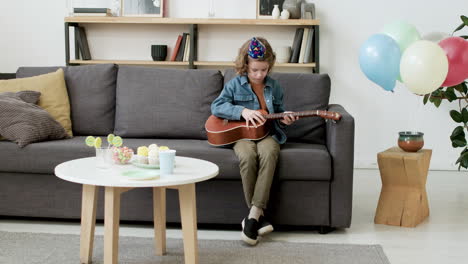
x=54 y=95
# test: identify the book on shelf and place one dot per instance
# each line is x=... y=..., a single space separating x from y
x=309 y=53
x=176 y=48
x=180 y=53
x=92 y=14
x=82 y=41
x=303 y=45
x=91 y=10
x=80 y=11
x=296 y=46
x=187 y=48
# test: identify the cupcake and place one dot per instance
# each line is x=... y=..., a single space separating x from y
x=153 y=147
x=142 y=153
x=153 y=157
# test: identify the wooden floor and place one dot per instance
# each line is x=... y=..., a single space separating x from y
x=442 y=238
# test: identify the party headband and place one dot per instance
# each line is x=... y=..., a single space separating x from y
x=256 y=49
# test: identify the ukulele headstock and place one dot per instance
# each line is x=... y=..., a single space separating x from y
x=330 y=115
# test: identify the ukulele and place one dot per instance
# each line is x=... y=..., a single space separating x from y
x=224 y=132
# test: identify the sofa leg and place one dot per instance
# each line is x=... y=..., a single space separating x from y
x=325 y=229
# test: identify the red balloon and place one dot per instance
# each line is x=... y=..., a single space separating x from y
x=456 y=49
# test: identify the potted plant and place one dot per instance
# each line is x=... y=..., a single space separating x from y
x=457 y=93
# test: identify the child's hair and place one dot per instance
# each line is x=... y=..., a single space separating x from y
x=242 y=59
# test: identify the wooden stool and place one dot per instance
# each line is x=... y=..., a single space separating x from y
x=403 y=199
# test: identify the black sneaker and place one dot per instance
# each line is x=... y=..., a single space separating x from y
x=250 y=231
x=264 y=227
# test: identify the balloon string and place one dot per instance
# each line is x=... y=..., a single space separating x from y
x=418 y=114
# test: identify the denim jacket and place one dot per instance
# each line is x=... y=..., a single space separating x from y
x=238 y=94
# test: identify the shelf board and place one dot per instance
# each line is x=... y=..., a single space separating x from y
x=131 y=62
x=199 y=21
x=228 y=63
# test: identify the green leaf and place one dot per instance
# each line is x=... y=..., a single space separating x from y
x=463 y=159
x=465 y=115
x=458 y=87
x=426 y=97
x=464 y=36
x=457 y=133
x=464 y=87
x=458 y=143
x=437 y=102
x=459 y=27
x=464 y=19
x=456 y=116
x=450 y=94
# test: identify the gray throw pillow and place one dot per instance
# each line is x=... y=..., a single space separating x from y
x=23 y=122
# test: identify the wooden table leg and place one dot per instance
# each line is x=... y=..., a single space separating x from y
x=188 y=215
x=159 y=218
x=88 y=222
x=111 y=225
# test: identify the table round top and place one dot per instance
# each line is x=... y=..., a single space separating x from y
x=84 y=171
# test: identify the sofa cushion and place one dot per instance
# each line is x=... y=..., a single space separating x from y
x=23 y=122
x=54 y=95
x=302 y=92
x=91 y=89
x=44 y=156
x=164 y=103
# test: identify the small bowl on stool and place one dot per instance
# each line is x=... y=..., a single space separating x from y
x=410 y=141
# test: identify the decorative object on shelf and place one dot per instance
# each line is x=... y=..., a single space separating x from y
x=265 y=7
x=144 y=8
x=410 y=141
x=159 y=52
x=307 y=10
x=211 y=9
x=115 y=7
x=285 y=14
x=294 y=8
x=276 y=12
x=283 y=54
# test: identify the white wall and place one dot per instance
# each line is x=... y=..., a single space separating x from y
x=31 y=33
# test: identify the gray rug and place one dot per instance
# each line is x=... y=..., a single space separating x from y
x=19 y=248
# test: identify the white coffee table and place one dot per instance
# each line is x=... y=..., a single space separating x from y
x=187 y=172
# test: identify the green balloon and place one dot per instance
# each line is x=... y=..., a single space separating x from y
x=403 y=33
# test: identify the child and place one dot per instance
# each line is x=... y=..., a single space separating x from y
x=252 y=89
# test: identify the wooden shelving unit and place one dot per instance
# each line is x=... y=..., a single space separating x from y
x=193 y=24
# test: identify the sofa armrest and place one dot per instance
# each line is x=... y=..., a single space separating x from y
x=340 y=144
x=6 y=76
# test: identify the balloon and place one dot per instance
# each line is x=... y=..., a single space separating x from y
x=403 y=33
x=456 y=49
x=423 y=67
x=379 y=58
x=435 y=36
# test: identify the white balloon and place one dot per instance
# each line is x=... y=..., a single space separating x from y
x=423 y=67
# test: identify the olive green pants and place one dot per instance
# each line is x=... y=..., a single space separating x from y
x=257 y=168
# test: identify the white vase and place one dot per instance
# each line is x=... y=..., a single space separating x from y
x=294 y=8
x=285 y=14
x=282 y=54
x=276 y=12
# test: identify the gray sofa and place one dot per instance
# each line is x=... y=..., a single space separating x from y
x=314 y=178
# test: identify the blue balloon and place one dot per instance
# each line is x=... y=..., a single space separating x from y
x=379 y=58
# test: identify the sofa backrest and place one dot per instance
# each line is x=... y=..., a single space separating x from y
x=91 y=90
x=302 y=92
x=164 y=103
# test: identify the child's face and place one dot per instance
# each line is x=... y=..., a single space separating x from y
x=257 y=70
